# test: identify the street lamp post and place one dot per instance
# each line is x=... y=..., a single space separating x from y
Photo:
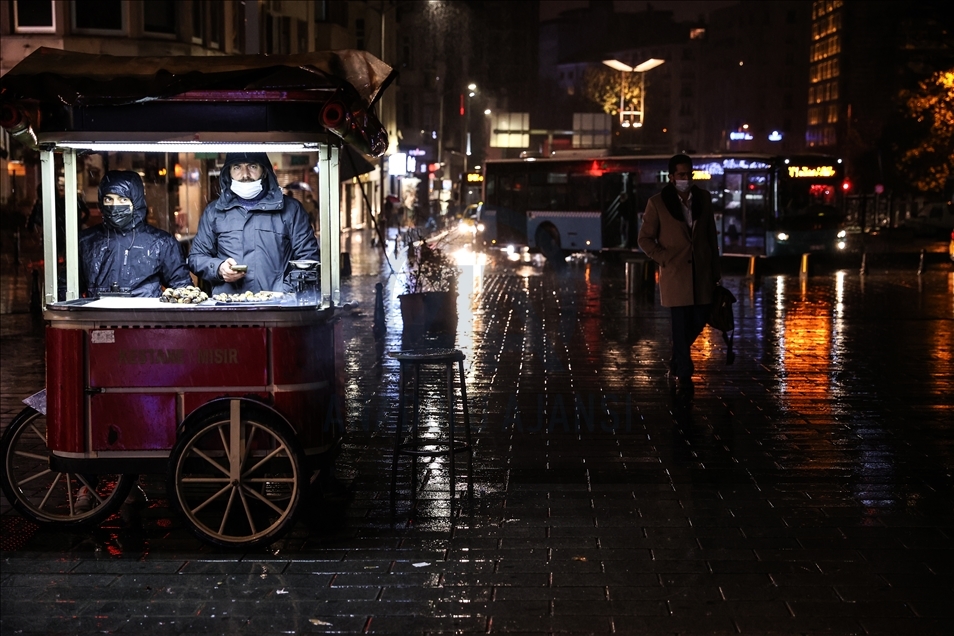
x=638 y=113
x=465 y=141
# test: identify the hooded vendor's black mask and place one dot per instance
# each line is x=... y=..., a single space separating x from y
x=126 y=184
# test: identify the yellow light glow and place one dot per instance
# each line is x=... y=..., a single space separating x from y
x=701 y=175
x=797 y=172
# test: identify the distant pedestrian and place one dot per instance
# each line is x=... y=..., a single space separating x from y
x=35 y=220
x=679 y=233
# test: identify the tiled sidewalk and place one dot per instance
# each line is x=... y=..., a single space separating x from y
x=805 y=489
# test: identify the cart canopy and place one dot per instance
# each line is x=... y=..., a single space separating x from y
x=53 y=92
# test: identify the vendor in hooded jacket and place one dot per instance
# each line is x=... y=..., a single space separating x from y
x=252 y=223
x=125 y=254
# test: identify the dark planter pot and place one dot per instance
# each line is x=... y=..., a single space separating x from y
x=430 y=312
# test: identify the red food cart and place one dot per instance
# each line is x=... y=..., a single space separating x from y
x=238 y=404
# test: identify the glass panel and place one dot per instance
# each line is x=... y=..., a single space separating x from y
x=513 y=191
x=216 y=23
x=732 y=219
x=546 y=197
x=733 y=191
x=34 y=14
x=799 y=196
x=756 y=204
x=583 y=193
x=198 y=19
x=159 y=16
x=105 y=15
x=715 y=185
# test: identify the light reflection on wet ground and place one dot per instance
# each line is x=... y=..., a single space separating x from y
x=805 y=488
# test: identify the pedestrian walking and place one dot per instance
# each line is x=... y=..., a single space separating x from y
x=679 y=233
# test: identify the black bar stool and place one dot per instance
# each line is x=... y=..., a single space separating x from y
x=412 y=361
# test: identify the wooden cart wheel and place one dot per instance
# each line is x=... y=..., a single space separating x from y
x=237 y=476
x=48 y=497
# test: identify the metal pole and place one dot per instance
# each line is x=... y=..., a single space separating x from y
x=622 y=95
x=48 y=183
x=72 y=225
x=642 y=99
x=325 y=212
x=381 y=163
x=335 y=226
x=440 y=132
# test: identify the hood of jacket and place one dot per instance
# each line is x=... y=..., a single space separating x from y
x=271 y=198
x=125 y=183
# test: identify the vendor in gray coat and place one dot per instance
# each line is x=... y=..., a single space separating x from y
x=254 y=224
x=679 y=233
x=125 y=254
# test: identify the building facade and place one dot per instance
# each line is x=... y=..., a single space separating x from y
x=178 y=186
x=863 y=57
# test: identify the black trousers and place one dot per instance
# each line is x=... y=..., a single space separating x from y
x=687 y=323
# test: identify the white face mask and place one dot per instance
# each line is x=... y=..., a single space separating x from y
x=682 y=185
x=247 y=189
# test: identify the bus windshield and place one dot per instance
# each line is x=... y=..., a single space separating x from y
x=796 y=197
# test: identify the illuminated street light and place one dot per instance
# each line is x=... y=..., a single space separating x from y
x=642 y=67
x=616 y=65
x=636 y=116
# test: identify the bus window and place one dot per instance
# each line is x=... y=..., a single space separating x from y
x=644 y=191
x=583 y=193
x=547 y=191
x=512 y=208
x=512 y=191
x=619 y=206
x=796 y=197
x=733 y=191
x=756 y=204
x=715 y=185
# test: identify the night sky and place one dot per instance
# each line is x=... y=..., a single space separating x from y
x=682 y=9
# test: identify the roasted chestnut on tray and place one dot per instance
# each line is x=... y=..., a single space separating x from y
x=183 y=295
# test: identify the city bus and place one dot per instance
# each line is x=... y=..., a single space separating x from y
x=764 y=205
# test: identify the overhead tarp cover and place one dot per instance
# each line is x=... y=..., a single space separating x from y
x=49 y=80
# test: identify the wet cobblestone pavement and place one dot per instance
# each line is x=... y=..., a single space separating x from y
x=805 y=489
